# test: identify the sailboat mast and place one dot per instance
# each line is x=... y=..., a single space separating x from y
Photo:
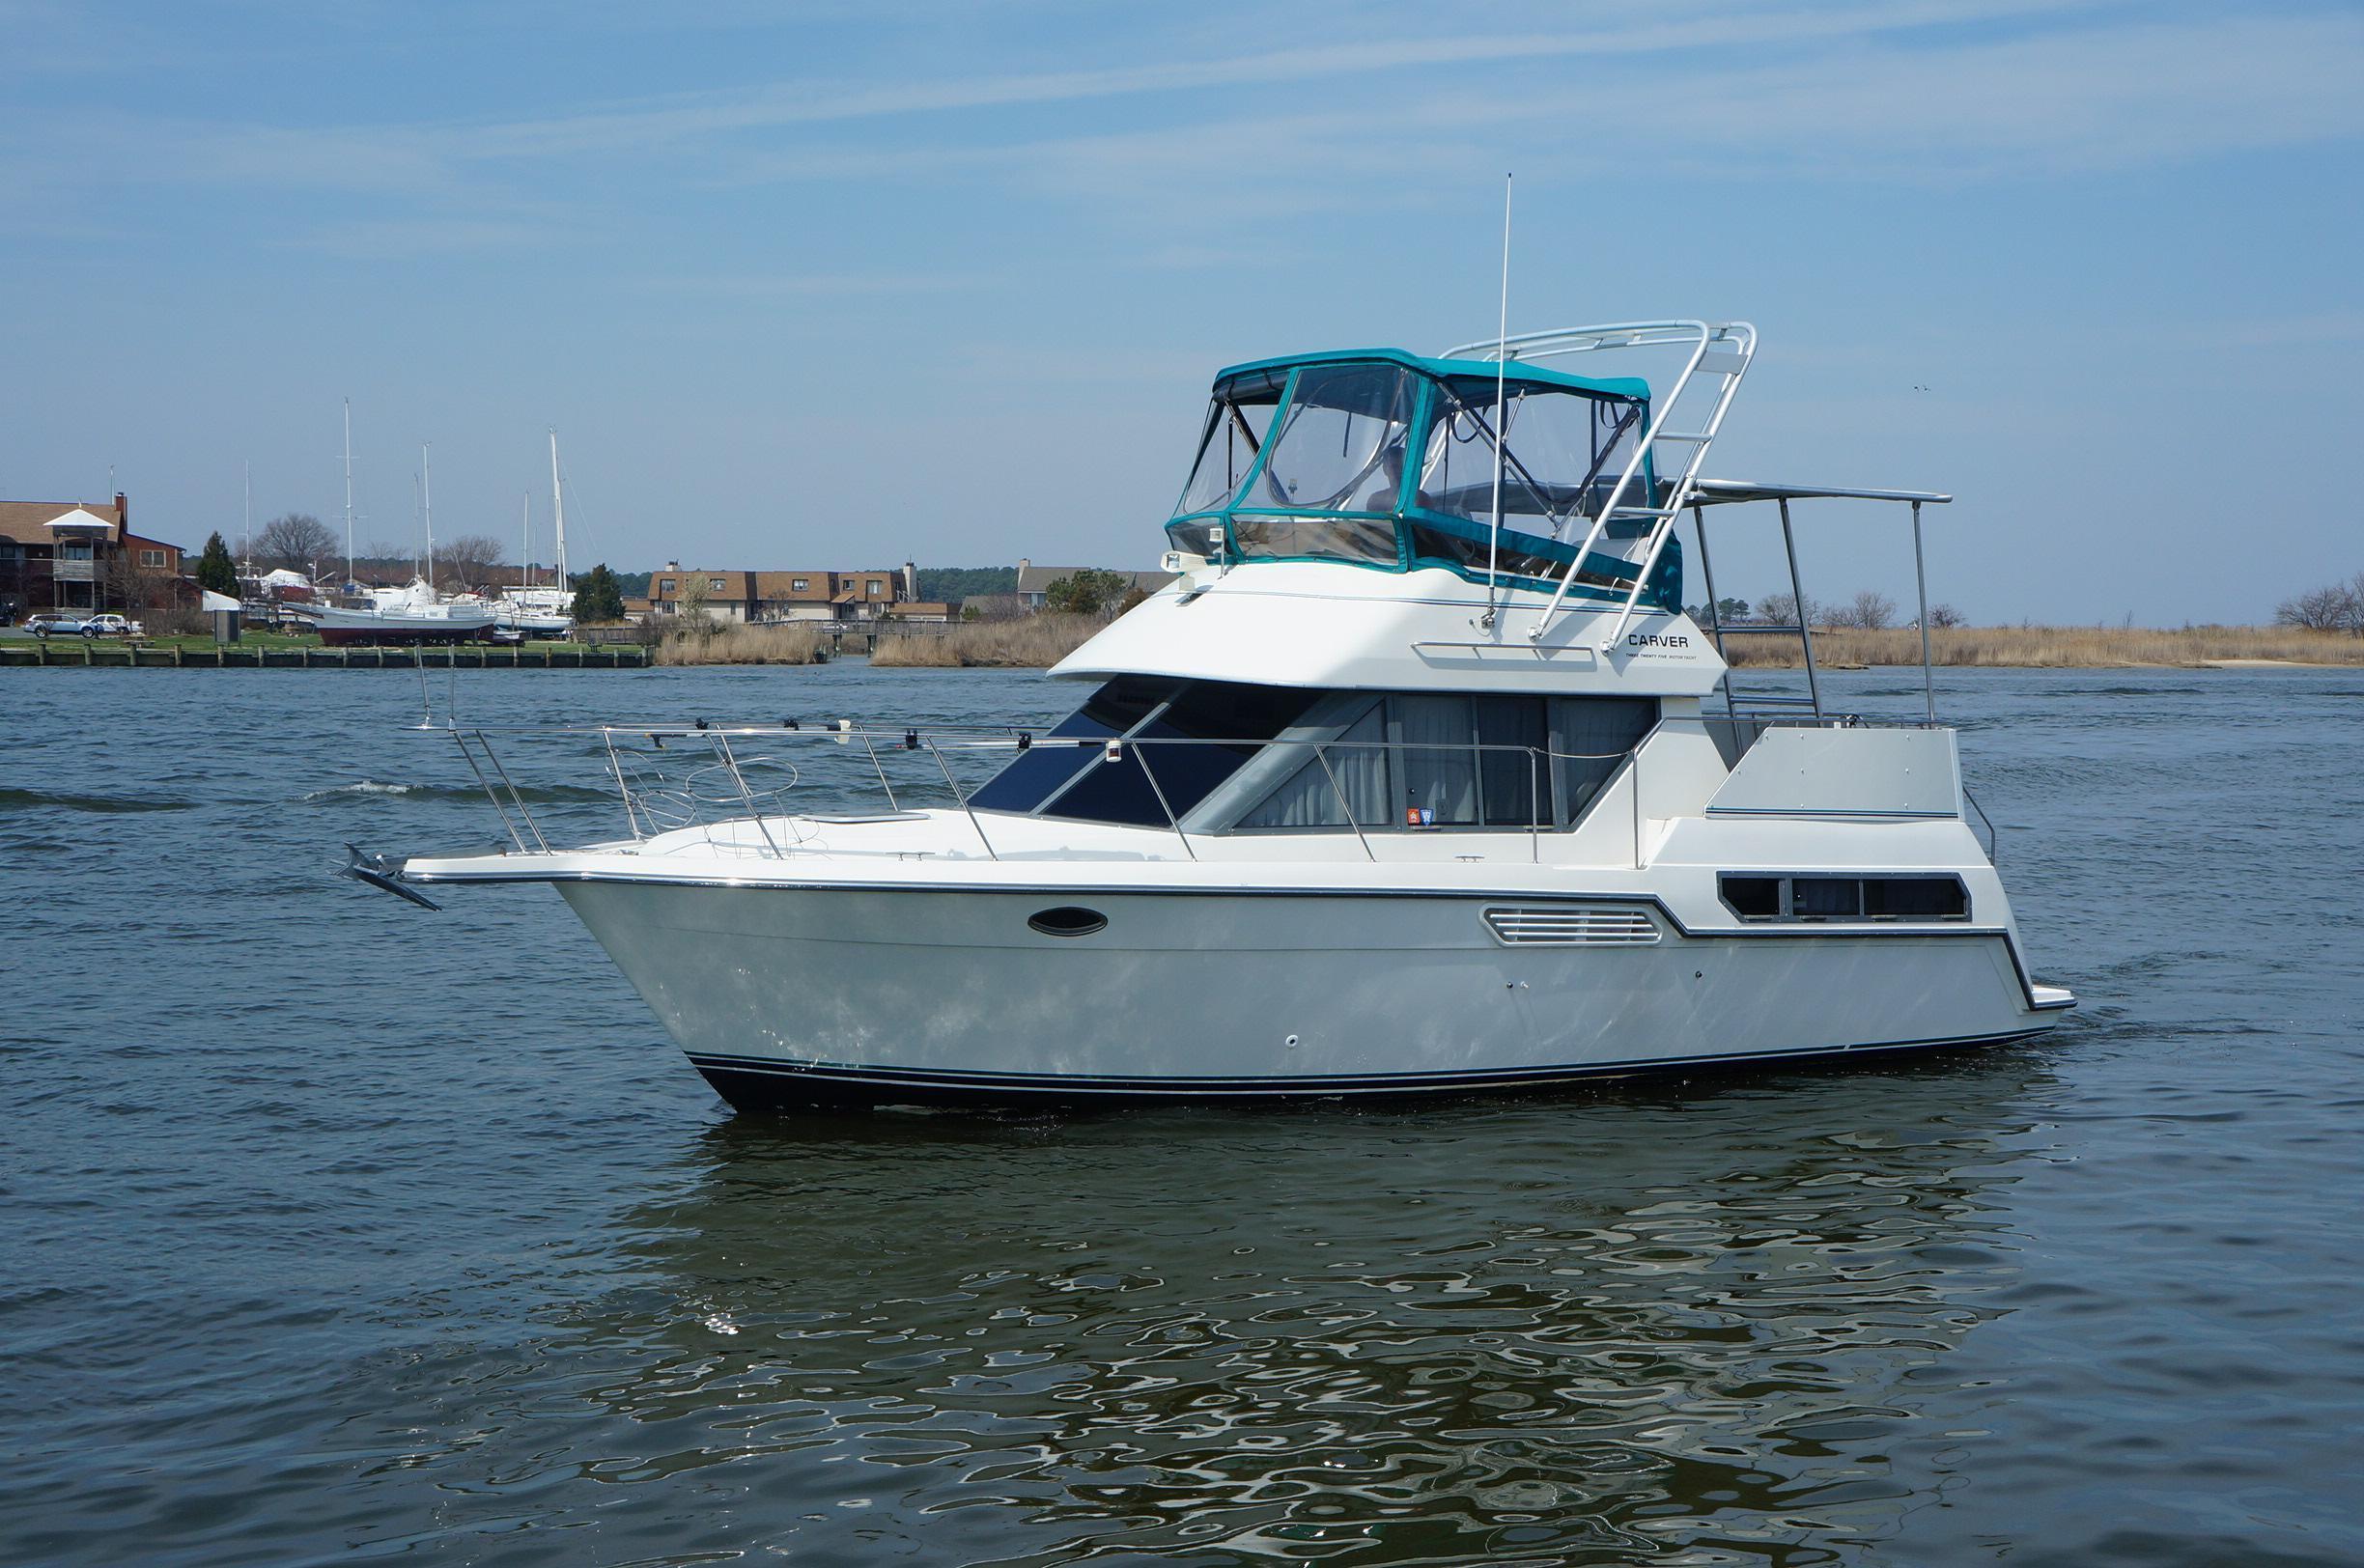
x=525 y=541
x=427 y=503
x=558 y=510
x=247 y=541
x=349 y=564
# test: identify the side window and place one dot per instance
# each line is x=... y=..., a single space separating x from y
x=1422 y=762
x=1592 y=737
x=1178 y=744
x=1757 y=897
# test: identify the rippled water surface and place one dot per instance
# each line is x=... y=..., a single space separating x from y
x=337 y=1228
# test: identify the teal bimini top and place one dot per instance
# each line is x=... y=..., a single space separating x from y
x=1384 y=459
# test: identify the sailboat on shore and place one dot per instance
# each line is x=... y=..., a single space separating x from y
x=531 y=610
x=407 y=616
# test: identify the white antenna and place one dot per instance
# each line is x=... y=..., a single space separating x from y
x=1502 y=413
x=558 y=510
x=348 y=567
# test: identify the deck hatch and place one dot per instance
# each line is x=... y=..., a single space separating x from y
x=1573 y=926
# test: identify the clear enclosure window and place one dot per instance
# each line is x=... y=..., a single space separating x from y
x=1231 y=435
x=1562 y=455
x=1339 y=444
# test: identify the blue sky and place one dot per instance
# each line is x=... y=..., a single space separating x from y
x=836 y=284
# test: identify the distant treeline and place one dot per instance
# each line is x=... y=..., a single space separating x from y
x=953 y=583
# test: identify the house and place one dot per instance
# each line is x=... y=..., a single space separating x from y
x=1034 y=581
x=66 y=555
x=770 y=596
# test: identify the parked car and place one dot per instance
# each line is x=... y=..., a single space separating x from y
x=111 y=626
x=55 y=623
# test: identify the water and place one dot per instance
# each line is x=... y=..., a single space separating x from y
x=333 y=1228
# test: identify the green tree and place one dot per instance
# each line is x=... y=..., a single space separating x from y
x=598 y=600
x=214 y=567
x=1088 y=592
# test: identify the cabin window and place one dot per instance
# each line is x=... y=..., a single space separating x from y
x=1179 y=742
x=1339 y=444
x=1420 y=761
x=1757 y=897
x=1753 y=898
x=1234 y=431
x=151 y=557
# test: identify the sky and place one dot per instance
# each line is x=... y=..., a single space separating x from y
x=840 y=284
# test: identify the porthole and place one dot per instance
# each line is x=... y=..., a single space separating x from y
x=1068 y=920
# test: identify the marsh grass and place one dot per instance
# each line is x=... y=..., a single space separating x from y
x=1038 y=642
x=2056 y=646
x=745 y=645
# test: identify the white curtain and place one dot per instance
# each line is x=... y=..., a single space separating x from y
x=1310 y=799
x=1439 y=760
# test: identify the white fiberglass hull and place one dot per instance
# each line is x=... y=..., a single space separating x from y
x=789 y=995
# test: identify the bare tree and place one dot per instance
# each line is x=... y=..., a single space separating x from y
x=1871 y=611
x=2336 y=608
x=135 y=590
x=1782 y=609
x=1943 y=617
x=467 y=561
x=295 y=542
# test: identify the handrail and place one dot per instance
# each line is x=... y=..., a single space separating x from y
x=712 y=789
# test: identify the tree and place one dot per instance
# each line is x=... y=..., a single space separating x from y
x=1945 y=617
x=1088 y=592
x=2338 y=607
x=1872 y=611
x=598 y=600
x=1782 y=609
x=691 y=608
x=132 y=588
x=469 y=559
x=295 y=542
x=214 y=567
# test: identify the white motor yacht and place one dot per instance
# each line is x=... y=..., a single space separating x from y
x=1416 y=778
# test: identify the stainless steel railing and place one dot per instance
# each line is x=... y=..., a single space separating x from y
x=671 y=777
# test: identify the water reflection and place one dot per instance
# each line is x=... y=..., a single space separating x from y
x=1605 y=1329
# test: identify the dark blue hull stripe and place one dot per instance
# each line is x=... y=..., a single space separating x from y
x=765 y=1079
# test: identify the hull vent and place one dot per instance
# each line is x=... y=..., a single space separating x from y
x=1578 y=925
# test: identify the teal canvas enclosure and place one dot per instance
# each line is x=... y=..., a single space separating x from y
x=1387 y=459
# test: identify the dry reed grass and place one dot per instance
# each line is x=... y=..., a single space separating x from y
x=745 y=645
x=1038 y=642
x=2057 y=647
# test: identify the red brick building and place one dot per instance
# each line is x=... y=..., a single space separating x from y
x=70 y=555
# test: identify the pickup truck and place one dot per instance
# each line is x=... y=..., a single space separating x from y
x=47 y=623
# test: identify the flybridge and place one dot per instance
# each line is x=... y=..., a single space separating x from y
x=1479 y=460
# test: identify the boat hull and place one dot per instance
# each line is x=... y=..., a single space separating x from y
x=826 y=995
x=348 y=629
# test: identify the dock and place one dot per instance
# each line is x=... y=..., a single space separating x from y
x=86 y=653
